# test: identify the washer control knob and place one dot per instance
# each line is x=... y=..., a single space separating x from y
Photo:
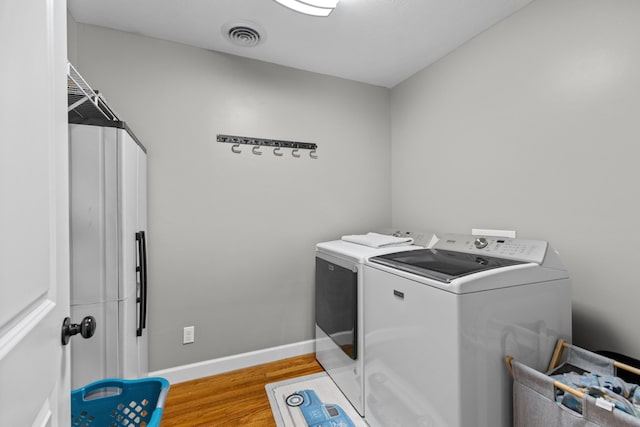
x=481 y=242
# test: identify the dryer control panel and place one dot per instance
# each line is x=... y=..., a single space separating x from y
x=500 y=247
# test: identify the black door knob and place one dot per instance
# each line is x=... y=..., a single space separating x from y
x=86 y=328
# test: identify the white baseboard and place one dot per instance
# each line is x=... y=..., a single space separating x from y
x=207 y=368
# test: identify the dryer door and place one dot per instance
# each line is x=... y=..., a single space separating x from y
x=337 y=304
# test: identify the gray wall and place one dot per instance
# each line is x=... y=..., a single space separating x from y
x=534 y=126
x=232 y=236
x=531 y=126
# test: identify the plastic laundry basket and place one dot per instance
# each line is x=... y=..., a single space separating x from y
x=119 y=403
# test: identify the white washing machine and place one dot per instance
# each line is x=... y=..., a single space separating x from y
x=438 y=323
x=339 y=315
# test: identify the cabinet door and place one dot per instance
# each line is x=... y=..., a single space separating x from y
x=96 y=358
x=132 y=219
x=94 y=219
x=142 y=356
x=129 y=194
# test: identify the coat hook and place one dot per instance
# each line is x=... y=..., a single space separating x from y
x=277 y=152
x=313 y=154
x=236 y=148
x=295 y=152
x=255 y=151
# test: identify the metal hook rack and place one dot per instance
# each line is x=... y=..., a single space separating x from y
x=277 y=145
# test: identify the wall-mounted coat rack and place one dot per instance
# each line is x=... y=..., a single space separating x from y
x=277 y=145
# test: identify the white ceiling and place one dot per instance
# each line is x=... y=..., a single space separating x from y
x=381 y=42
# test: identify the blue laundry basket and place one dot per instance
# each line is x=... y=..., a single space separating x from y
x=119 y=403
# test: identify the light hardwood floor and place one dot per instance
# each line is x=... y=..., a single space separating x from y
x=235 y=398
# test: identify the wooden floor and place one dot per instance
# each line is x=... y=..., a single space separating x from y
x=232 y=399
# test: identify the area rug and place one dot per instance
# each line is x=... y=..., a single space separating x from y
x=310 y=400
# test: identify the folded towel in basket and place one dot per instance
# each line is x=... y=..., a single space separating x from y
x=376 y=240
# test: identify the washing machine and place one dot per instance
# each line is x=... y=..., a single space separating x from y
x=339 y=337
x=438 y=323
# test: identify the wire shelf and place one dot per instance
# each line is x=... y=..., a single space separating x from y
x=83 y=102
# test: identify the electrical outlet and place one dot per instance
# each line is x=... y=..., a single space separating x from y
x=188 y=334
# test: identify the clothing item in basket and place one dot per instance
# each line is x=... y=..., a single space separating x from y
x=624 y=396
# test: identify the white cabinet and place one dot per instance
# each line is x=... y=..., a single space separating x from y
x=108 y=259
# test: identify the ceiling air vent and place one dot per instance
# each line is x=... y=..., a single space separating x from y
x=243 y=34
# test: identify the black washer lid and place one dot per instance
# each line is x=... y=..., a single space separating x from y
x=442 y=265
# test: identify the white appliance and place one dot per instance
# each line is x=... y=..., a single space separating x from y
x=108 y=250
x=439 y=322
x=339 y=312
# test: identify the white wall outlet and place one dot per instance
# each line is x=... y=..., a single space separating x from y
x=188 y=334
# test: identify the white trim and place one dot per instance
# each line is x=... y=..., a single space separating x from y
x=221 y=365
x=32 y=317
x=43 y=419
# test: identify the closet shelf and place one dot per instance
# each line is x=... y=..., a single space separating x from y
x=83 y=102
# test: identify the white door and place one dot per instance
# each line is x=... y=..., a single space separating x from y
x=34 y=241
